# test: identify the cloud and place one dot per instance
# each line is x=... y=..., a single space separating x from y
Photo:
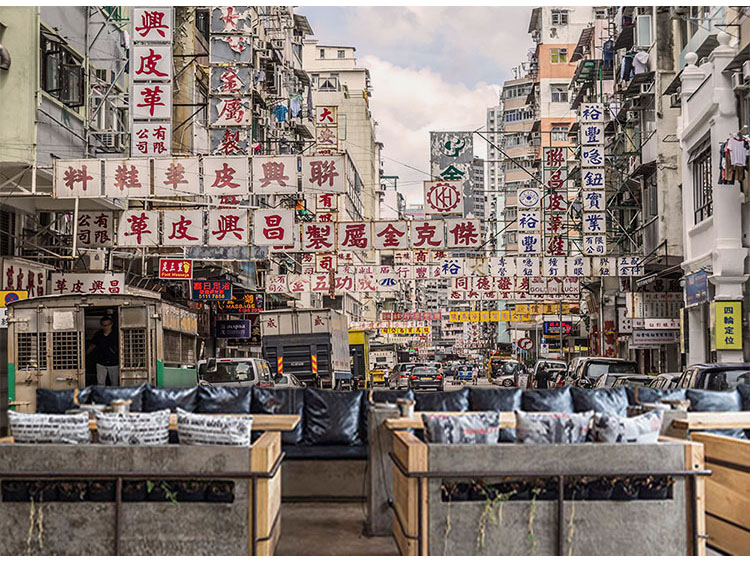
x=408 y=103
x=432 y=69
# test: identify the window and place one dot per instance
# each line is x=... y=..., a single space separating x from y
x=559 y=133
x=341 y=53
x=559 y=93
x=322 y=53
x=558 y=56
x=702 y=185
x=328 y=84
x=643 y=31
x=559 y=17
x=600 y=13
x=62 y=73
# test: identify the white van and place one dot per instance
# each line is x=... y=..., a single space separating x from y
x=233 y=371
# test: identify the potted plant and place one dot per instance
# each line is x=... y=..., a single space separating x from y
x=134 y=491
x=190 y=491
x=71 y=491
x=15 y=490
x=625 y=489
x=220 y=492
x=600 y=488
x=655 y=488
x=101 y=491
x=447 y=490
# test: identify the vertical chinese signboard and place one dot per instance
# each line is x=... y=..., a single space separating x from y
x=151 y=82
x=231 y=80
x=593 y=200
x=727 y=325
x=326 y=129
x=554 y=239
x=451 y=156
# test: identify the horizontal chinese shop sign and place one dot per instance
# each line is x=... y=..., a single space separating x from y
x=416 y=330
x=474 y=316
x=87 y=283
x=211 y=290
x=175 y=268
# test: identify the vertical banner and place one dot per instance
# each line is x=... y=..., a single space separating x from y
x=151 y=82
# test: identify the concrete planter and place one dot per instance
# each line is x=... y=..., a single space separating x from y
x=427 y=524
x=197 y=526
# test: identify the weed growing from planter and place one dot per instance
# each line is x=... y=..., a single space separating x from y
x=532 y=514
x=571 y=528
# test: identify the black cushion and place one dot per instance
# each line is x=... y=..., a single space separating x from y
x=224 y=399
x=281 y=401
x=390 y=395
x=547 y=400
x=325 y=452
x=333 y=417
x=714 y=400
x=161 y=398
x=644 y=394
x=105 y=395
x=443 y=401
x=54 y=401
x=498 y=399
x=717 y=401
x=610 y=401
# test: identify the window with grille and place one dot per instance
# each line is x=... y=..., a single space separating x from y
x=31 y=351
x=702 y=185
x=66 y=351
x=134 y=348
x=172 y=345
x=62 y=72
x=559 y=133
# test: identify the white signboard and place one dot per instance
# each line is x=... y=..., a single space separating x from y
x=355 y=235
x=87 y=283
x=127 y=178
x=176 y=177
x=274 y=174
x=390 y=235
x=324 y=174
x=182 y=228
x=228 y=227
x=77 y=178
x=273 y=227
x=225 y=175
x=443 y=198
x=138 y=229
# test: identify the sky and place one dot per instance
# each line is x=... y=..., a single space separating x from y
x=432 y=69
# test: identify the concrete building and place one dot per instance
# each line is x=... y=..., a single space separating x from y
x=392 y=202
x=716 y=212
x=495 y=178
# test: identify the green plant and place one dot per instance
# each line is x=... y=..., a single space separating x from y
x=36 y=519
x=532 y=514
x=171 y=495
x=571 y=528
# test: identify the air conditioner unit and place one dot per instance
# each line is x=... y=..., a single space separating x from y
x=95 y=259
x=746 y=71
x=737 y=81
x=674 y=100
x=108 y=139
x=536 y=35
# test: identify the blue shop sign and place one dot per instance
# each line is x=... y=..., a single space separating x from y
x=696 y=288
x=233 y=328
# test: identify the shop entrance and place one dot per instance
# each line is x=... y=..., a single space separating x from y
x=100 y=347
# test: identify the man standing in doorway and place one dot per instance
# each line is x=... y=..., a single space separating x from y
x=105 y=346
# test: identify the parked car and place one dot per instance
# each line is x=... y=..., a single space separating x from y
x=425 y=377
x=665 y=381
x=557 y=377
x=287 y=381
x=588 y=372
x=233 y=371
x=715 y=376
x=571 y=373
x=631 y=380
x=399 y=376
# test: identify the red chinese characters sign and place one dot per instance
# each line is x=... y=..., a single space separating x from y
x=182 y=228
x=127 y=178
x=225 y=175
x=77 y=178
x=175 y=268
x=273 y=227
x=151 y=139
x=95 y=229
x=87 y=283
x=274 y=174
x=391 y=235
x=318 y=237
x=324 y=174
x=228 y=227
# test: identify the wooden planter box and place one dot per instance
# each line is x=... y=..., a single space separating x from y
x=425 y=524
x=727 y=492
x=250 y=524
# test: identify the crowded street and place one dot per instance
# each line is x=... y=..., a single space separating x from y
x=374 y=280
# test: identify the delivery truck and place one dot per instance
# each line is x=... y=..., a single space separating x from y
x=311 y=344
